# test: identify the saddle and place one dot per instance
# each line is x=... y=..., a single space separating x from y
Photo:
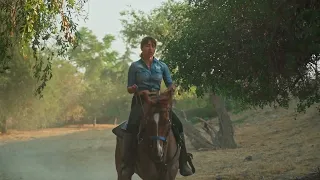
x=119 y=131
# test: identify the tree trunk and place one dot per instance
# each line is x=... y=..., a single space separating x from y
x=115 y=121
x=3 y=124
x=94 y=121
x=226 y=132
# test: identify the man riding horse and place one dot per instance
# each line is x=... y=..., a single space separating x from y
x=146 y=74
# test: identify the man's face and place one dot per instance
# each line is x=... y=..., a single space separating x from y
x=148 y=50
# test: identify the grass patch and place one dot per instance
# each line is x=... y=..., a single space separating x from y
x=283 y=148
x=240 y=120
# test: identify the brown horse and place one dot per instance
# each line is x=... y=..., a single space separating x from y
x=158 y=151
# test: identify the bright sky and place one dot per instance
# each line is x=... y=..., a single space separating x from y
x=104 y=17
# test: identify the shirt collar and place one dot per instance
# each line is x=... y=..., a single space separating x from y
x=154 y=60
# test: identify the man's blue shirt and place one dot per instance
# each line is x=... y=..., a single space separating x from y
x=146 y=79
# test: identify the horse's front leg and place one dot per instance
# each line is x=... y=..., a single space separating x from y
x=173 y=171
x=167 y=176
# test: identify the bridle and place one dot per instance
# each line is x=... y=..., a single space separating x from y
x=162 y=164
x=162 y=109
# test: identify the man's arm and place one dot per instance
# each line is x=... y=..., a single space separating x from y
x=167 y=76
x=131 y=79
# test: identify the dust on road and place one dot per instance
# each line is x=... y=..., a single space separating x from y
x=282 y=147
x=78 y=156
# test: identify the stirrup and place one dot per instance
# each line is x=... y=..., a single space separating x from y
x=189 y=161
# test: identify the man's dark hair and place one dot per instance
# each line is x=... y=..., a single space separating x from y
x=146 y=40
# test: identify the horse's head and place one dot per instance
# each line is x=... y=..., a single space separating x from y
x=157 y=121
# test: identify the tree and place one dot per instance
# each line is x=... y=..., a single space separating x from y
x=93 y=55
x=15 y=87
x=160 y=23
x=60 y=101
x=104 y=75
x=64 y=93
x=119 y=104
x=258 y=57
x=225 y=134
x=37 y=23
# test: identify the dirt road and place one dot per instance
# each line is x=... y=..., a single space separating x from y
x=79 y=156
x=281 y=147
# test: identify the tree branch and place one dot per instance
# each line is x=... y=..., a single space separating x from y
x=208 y=125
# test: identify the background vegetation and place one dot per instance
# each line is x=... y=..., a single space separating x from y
x=250 y=54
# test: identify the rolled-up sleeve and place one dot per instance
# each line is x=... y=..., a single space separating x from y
x=131 y=75
x=166 y=75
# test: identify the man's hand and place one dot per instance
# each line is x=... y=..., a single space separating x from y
x=172 y=87
x=132 y=89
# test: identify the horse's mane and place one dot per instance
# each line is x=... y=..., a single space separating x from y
x=163 y=102
x=164 y=99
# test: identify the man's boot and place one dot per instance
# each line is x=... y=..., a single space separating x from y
x=129 y=154
x=185 y=170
